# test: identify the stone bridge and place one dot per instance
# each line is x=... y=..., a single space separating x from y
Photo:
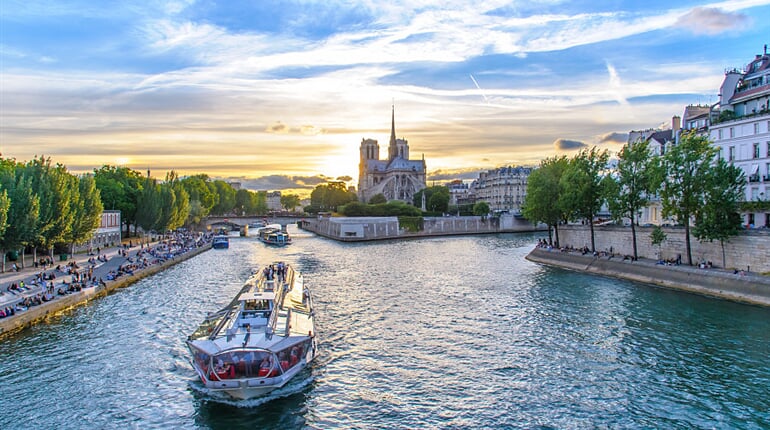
x=236 y=222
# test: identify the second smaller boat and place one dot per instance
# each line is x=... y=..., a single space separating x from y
x=273 y=234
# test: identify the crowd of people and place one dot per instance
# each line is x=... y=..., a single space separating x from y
x=71 y=277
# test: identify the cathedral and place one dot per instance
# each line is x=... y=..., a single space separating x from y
x=397 y=177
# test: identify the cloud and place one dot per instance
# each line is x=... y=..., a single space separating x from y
x=568 y=145
x=451 y=174
x=706 y=20
x=280 y=182
x=614 y=137
x=306 y=130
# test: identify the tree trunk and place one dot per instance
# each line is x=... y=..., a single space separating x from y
x=593 y=244
x=687 y=240
x=2 y=270
x=550 y=238
x=556 y=232
x=633 y=236
x=724 y=262
x=34 y=253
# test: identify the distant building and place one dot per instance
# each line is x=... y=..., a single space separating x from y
x=236 y=185
x=503 y=188
x=108 y=232
x=742 y=129
x=397 y=177
x=274 y=200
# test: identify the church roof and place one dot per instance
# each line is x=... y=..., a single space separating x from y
x=399 y=163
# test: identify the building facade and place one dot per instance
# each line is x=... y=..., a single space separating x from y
x=397 y=177
x=108 y=232
x=742 y=130
x=503 y=188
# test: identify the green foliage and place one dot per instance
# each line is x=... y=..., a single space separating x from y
x=149 y=206
x=119 y=190
x=436 y=199
x=657 y=236
x=377 y=199
x=411 y=223
x=5 y=204
x=225 y=201
x=718 y=218
x=24 y=206
x=582 y=188
x=330 y=196
x=481 y=209
x=638 y=177
x=88 y=210
x=55 y=189
x=289 y=201
x=687 y=168
x=541 y=204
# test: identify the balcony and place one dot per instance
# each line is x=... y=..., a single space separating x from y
x=754 y=178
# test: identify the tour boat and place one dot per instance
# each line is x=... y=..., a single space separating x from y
x=262 y=339
x=273 y=234
x=220 y=241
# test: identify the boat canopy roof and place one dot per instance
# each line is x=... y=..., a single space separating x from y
x=257 y=295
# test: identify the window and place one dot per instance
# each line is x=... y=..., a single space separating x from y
x=755 y=151
x=732 y=132
x=756 y=128
x=731 y=154
x=720 y=134
x=768 y=149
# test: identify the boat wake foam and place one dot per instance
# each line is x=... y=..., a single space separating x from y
x=295 y=386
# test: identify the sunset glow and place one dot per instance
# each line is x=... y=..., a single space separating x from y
x=279 y=96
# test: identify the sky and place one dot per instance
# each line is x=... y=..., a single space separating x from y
x=279 y=94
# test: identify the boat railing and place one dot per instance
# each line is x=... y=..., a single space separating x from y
x=280 y=294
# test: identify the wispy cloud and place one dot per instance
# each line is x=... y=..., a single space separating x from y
x=568 y=145
x=706 y=20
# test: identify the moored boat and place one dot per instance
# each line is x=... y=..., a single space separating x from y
x=273 y=234
x=261 y=340
x=220 y=241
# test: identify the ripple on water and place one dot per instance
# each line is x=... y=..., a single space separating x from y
x=439 y=333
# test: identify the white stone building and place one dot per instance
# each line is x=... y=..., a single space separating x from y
x=743 y=134
x=503 y=188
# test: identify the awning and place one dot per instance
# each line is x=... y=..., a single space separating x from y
x=754 y=169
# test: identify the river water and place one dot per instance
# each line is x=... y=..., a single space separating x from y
x=455 y=333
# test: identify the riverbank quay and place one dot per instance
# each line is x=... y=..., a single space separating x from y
x=738 y=286
x=123 y=267
x=362 y=229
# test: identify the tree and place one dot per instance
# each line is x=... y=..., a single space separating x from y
x=119 y=190
x=541 y=203
x=378 y=199
x=55 y=190
x=330 y=196
x=638 y=175
x=686 y=166
x=5 y=204
x=88 y=210
x=289 y=201
x=481 y=209
x=23 y=210
x=582 y=186
x=149 y=206
x=657 y=237
x=719 y=219
x=436 y=198
x=202 y=199
x=226 y=201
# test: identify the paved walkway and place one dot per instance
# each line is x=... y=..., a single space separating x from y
x=28 y=274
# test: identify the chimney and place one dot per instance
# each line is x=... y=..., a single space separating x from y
x=676 y=124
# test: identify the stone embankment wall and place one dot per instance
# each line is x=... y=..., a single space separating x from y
x=38 y=313
x=745 y=288
x=356 y=229
x=748 y=251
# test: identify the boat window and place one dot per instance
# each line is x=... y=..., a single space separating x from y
x=244 y=364
x=292 y=355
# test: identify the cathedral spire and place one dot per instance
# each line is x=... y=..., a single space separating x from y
x=393 y=125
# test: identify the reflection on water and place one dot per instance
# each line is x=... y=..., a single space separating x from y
x=450 y=332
